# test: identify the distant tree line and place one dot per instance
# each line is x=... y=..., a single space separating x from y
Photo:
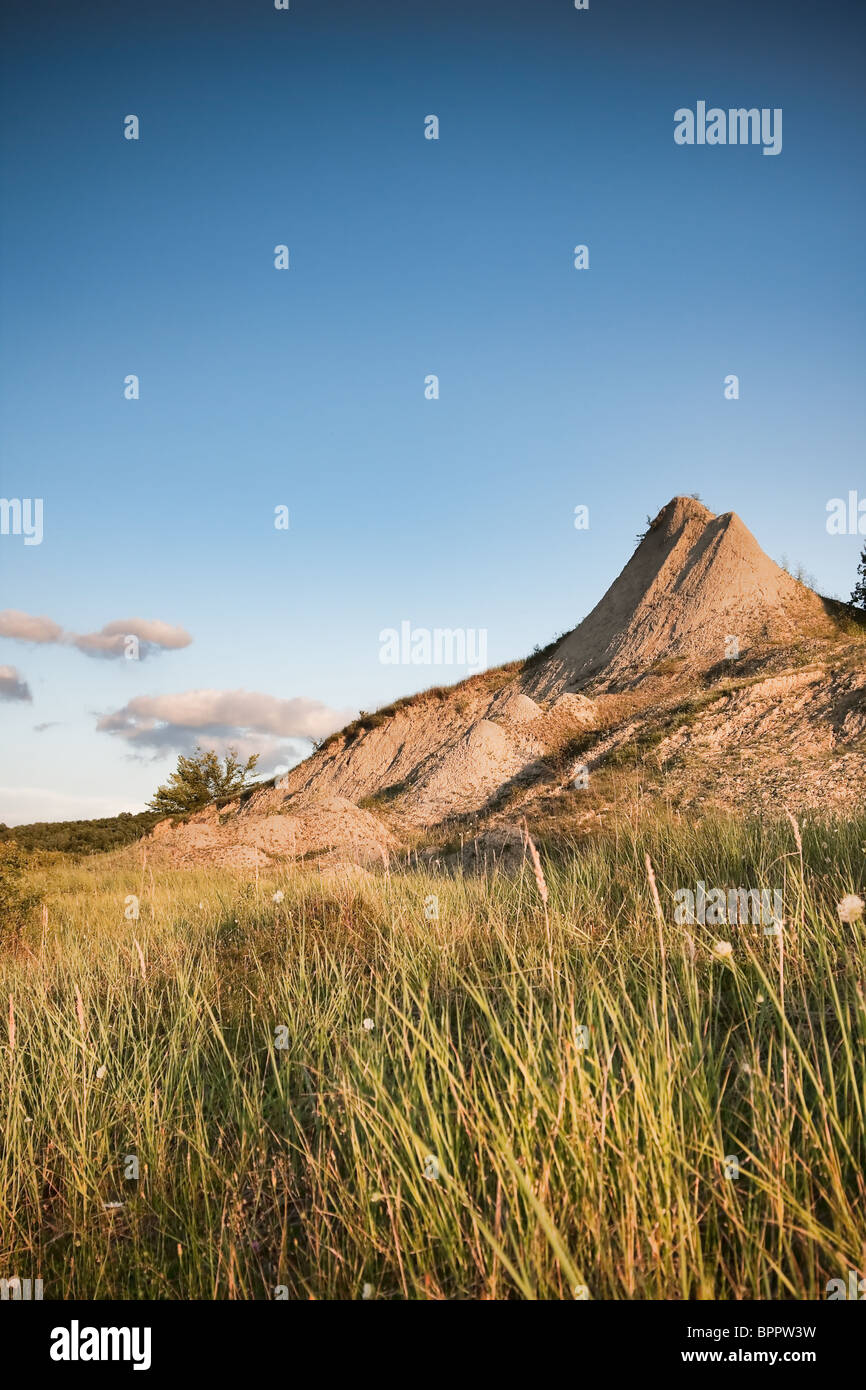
x=197 y=782
x=82 y=836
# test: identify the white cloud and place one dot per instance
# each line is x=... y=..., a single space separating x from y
x=12 y=687
x=153 y=634
x=110 y=640
x=22 y=627
x=244 y=719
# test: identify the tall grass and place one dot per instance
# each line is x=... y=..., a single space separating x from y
x=467 y=1145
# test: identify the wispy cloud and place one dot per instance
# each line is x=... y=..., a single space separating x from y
x=277 y=729
x=152 y=634
x=12 y=687
x=23 y=627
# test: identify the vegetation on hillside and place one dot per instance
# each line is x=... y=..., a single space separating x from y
x=858 y=596
x=195 y=783
x=82 y=836
x=201 y=779
x=17 y=901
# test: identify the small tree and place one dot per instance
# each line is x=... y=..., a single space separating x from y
x=858 y=597
x=199 y=780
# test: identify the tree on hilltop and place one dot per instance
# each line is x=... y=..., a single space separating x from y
x=858 y=597
x=201 y=779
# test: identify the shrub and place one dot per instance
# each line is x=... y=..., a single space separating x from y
x=201 y=779
x=16 y=903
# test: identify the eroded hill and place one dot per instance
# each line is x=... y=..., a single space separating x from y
x=706 y=677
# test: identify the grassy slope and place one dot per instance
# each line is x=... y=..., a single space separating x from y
x=557 y=1167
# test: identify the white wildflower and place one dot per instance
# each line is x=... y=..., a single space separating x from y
x=850 y=908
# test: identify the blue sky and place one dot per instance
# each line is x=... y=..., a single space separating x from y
x=408 y=257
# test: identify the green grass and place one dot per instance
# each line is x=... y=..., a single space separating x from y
x=653 y=732
x=382 y=799
x=648 y=734
x=557 y=1166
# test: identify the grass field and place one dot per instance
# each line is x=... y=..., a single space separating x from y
x=464 y=1143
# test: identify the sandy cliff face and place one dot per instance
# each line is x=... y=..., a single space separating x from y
x=328 y=830
x=443 y=755
x=694 y=581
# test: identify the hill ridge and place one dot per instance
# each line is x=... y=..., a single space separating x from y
x=645 y=689
x=694 y=581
